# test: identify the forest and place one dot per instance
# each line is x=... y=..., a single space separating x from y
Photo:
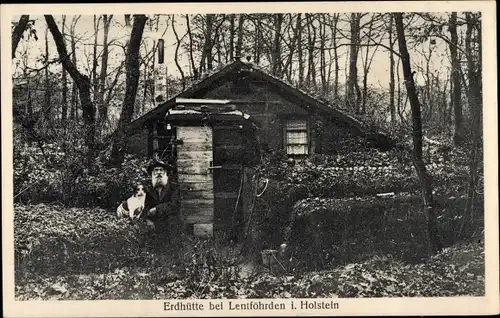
x=79 y=81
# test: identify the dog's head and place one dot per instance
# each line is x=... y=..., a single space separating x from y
x=139 y=190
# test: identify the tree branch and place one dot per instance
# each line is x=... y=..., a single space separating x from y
x=61 y=49
x=18 y=32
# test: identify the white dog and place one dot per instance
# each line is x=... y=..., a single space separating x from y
x=134 y=205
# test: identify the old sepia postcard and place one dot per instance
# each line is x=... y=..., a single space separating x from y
x=249 y=159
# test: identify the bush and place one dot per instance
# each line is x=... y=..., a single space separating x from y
x=359 y=173
x=52 y=239
x=456 y=271
x=107 y=187
x=339 y=231
x=352 y=175
x=55 y=175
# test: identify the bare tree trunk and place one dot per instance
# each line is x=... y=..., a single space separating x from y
x=82 y=82
x=258 y=41
x=398 y=76
x=366 y=67
x=392 y=107
x=176 y=56
x=127 y=20
x=74 y=90
x=64 y=102
x=132 y=80
x=206 y=53
x=418 y=162
x=288 y=68
x=335 y=56
x=300 y=50
x=208 y=42
x=352 y=98
x=101 y=106
x=311 y=37
x=456 y=100
x=191 y=57
x=427 y=112
x=239 y=43
x=231 y=37
x=276 y=56
x=322 y=56
x=47 y=107
x=18 y=32
x=474 y=99
x=95 y=79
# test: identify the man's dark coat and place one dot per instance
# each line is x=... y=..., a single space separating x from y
x=166 y=202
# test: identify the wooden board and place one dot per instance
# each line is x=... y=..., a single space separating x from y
x=226 y=195
x=187 y=195
x=203 y=230
x=195 y=211
x=197 y=186
x=196 y=146
x=201 y=156
x=190 y=166
x=186 y=177
x=194 y=134
x=194 y=157
x=198 y=218
x=202 y=204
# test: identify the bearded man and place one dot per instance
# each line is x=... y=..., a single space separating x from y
x=161 y=199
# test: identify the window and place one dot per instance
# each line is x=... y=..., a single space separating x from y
x=296 y=137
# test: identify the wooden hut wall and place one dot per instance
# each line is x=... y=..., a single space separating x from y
x=266 y=104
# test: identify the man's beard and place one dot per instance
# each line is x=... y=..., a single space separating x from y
x=160 y=181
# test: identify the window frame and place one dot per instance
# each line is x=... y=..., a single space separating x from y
x=285 y=130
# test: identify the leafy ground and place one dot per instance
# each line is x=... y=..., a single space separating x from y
x=79 y=253
x=455 y=271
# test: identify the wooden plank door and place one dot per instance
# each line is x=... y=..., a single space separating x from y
x=228 y=157
x=194 y=158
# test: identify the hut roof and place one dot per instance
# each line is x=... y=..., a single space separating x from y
x=306 y=100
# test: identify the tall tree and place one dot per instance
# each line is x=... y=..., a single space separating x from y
x=288 y=67
x=82 y=82
x=368 y=58
x=47 y=114
x=74 y=91
x=231 y=37
x=18 y=32
x=322 y=56
x=206 y=54
x=95 y=79
x=392 y=106
x=191 y=57
x=300 y=55
x=101 y=106
x=335 y=21
x=239 y=42
x=276 y=48
x=258 y=40
x=353 y=95
x=418 y=162
x=456 y=99
x=176 y=54
x=64 y=102
x=311 y=41
x=132 y=80
x=473 y=54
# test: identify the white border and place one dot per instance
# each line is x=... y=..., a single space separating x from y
x=365 y=306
